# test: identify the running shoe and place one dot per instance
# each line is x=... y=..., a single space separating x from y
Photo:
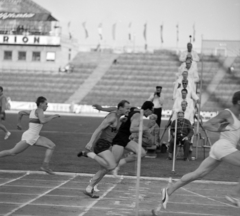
x=165 y=198
x=47 y=170
x=95 y=187
x=82 y=153
x=91 y=194
x=7 y=135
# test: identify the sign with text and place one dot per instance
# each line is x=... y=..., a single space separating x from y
x=29 y=40
x=10 y=15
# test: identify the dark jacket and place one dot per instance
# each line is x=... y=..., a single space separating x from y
x=184 y=128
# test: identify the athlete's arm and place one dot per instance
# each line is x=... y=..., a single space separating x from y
x=135 y=122
x=106 y=122
x=43 y=119
x=219 y=122
x=20 y=115
x=106 y=109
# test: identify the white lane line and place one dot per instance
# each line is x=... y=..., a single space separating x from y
x=200 y=195
x=57 y=132
x=12 y=180
x=39 y=196
x=100 y=198
x=73 y=206
x=125 y=177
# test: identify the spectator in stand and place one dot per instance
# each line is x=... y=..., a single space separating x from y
x=185 y=54
x=4 y=105
x=178 y=83
x=190 y=68
x=184 y=135
x=178 y=101
x=188 y=113
x=191 y=94
x=157 y=100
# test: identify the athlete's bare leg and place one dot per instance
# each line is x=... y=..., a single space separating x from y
x=18 y=148
x=234 y=159
x=205 y=167
x=46 y=143
x=133 y=147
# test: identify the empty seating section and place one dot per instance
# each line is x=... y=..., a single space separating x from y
x=56 y=87
x=134 y=77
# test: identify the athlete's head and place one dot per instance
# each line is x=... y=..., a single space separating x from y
x=42 y=103
x=184 y=105
x=1 y=90
x=147 y=108
x=185 y=75
x=184 y=93
x=124 y=107
x=152 y=120
x=189 y=47
x=236 y=98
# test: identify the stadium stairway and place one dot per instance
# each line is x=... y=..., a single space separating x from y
x=105 y=60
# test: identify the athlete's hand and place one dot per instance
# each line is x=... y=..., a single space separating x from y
x=97 y=107
x=19 y=126
x=185 y=138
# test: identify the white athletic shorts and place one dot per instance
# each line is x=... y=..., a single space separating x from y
x=30 y=138
x=221 y=149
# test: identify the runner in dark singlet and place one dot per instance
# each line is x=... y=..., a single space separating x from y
x=106 y=132
x=121 y=140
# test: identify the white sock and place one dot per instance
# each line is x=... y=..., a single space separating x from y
x=91 y=155
x=89 y=189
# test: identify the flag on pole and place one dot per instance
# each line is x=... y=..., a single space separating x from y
x=85 y=29
x=130 y=31
x=100 y=31
x=194 y=33
x=69 y=32
x=145 y=32
x=114 y=31
x=161 y=33
x=177 y=32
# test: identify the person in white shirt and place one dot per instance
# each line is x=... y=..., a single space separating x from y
x=188 y=113
x=189 y=50
x=178 y=101
x=191 y=68
x=191 y=94
x=157 y=100
x=178 y=83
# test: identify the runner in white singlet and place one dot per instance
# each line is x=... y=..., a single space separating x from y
x=227 y=122
x=31 y=136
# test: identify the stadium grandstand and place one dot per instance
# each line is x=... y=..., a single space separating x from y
x=38 y=60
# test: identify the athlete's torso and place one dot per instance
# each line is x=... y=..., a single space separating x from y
x=234 y=134
x=35 y=125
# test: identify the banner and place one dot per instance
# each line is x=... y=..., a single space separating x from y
x=29 y=40
x=194 y=33
x=100 y=31
x=130 y=31
x=177 y=32
x=161 y=33
x=145 y=32
x=114 y=31
x=85 y=29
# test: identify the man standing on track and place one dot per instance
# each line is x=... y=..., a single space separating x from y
x=31 y=136
x=227 y=122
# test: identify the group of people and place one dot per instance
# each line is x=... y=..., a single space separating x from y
x=185 y=101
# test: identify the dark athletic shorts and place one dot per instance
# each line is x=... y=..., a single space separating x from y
x=2 y=114
x=101 y=146
x=121 y=140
